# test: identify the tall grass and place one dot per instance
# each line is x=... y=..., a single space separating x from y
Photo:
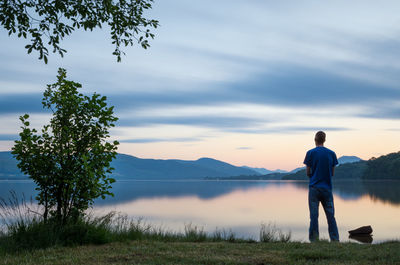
x=270 y=233
x=226 y=235
x=17 y=212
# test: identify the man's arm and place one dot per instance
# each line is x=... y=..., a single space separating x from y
x=335 y=163
x=308 y=171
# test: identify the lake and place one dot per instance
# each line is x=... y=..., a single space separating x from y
x=241 y=206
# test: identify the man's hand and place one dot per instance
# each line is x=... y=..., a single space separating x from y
x=308 y=171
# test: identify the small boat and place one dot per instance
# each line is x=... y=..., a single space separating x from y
x=363 y=230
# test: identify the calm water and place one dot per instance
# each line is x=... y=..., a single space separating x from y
x=241 y=206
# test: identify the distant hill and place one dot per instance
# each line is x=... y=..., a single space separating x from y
x=131 y=167
x=341 y=160
x=259 y=170
x=127 y=166
x=346 y=171
x=386 y=167
x=297 y=169
x=348 y=159
x=349 y=168
x=264 y=171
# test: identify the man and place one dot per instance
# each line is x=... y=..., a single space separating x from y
x=321 y=163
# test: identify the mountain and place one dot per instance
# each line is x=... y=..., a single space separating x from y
x=219 y=166
x=280 y=171
x=264 y=171
x=127 y=166
x=297 y=169
x=349 y=168
x=8 y=166
x=348 y=159
x=259 y=170
x=130 y=167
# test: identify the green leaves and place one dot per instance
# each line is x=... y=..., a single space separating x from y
x=70 y=160
x=55 y=20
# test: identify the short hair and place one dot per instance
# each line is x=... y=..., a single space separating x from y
x=320 y=137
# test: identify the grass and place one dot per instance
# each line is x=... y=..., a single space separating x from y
x=159 y=252
x=114 y=239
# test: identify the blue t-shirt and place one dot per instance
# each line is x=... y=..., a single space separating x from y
x=321 y=160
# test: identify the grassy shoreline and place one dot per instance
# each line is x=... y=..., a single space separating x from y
x=116 y=239
x=158 y=252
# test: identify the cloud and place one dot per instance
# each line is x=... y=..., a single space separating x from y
x=157 y=140
x=9 y=137
x=300 y=88
x=215 y=121
x=21 y=103
x=288 y=129
x=324 y=61
x=244 y=148
x=389 y=109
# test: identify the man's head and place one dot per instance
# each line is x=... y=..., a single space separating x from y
x=320 y=138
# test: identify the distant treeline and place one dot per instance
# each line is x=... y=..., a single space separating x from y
x=272 y=176
x=384 y=167
x=348 y=171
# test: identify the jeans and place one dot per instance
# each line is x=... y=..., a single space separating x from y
x=316 y=195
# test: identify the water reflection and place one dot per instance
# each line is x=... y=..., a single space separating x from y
x=128 y=190
x=243 y=205
x=387 y=191
x=366 y=239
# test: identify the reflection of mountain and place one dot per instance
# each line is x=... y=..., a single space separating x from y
x=21 y=187
x=131 y=190
x=128 y=190
x=8 y=166
x=386 y=191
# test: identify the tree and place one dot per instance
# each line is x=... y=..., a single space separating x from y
x=53 y=20
x=70 y=160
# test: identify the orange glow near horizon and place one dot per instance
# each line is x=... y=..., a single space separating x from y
x=280 y=150
x=271 y=151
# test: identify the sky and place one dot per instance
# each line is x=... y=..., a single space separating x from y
x=248 y=82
